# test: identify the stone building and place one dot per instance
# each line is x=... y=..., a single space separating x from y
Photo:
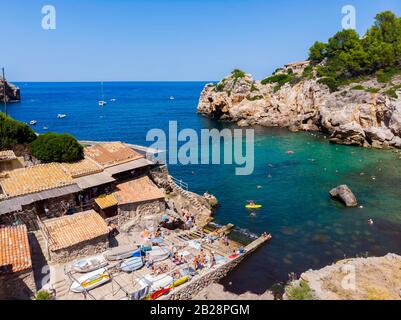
x=296 y=67
x=70 y=237
x=16 y=274
x=139 y=198
x=9 y=161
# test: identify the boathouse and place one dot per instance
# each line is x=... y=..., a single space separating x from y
x=70 y=237
x=16 y=274
x=139 y=198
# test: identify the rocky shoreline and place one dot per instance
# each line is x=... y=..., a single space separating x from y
x=373 y=278
x=12 y=92
x=366 y=113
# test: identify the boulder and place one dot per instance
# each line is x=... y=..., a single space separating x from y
x=344 y=194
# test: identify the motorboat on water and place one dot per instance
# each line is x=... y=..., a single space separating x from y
x=172 y=98
x=33 y=122
x=102 y=103
x=61 y=116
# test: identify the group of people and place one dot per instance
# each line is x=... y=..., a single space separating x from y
x=201 y=260
x=189 y=219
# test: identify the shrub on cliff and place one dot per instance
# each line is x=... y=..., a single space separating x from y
x=13 y=132
x=54 y=147
x=302 y=291
x=348 y=56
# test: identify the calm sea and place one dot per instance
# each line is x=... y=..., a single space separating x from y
x=309 y=229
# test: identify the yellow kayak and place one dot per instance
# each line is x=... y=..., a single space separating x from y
x=253 y=206
x=179 y=282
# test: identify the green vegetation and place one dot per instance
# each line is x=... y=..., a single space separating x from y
x=43 y=295
x=236 y=73
x=308 y=72
x=300 y=292
x=254 y=98
x=13 y=132
x=392 y=92
x=347 y=56
x=254 y=88
x=280 y=80
x=358 y=87
x=54 y=147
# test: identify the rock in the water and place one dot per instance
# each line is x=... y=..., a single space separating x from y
x=345 y=194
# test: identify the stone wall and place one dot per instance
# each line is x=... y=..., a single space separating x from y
x=190 y=289
x=82 y=249
x=135 y=211
x=17 y=286
x=30 y=212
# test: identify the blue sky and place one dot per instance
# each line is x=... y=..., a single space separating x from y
x=151 y=40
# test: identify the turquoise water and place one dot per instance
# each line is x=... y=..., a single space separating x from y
x=309 y=229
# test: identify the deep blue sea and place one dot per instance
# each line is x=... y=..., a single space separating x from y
x=309 y=229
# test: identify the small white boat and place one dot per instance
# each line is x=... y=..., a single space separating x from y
x=102 y=103
x=132 y=264
x=45 y=128
x=120 y=253
x=90 y=280
x=156 y=282
x=33 y=122
x=158 y=253
x=172 y=98
x=89 y=264
x=112 y=100
x=61 y=116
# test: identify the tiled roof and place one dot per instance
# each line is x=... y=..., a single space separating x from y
x=34 y=179
x=138 y=190
x=15 y=254
x=7 y=155
x=111 y=153
x=81 y=168
x=106 y=201
x=67 y=231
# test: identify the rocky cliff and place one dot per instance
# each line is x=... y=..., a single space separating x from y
x=367 y=113
x=374 y=278
x=12 y=92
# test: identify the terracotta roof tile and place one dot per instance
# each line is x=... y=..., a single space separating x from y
x=15 y=253
x=34 y=179
x=138 y=190
x=70 y=230
x=7 y=155
x=111 y=153
x=81 y=168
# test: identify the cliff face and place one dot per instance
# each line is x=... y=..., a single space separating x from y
x=362 y=114
x=374 y=278
x=12 y=92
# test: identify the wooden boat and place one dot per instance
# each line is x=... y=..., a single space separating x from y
x=89 y=264
x=158 y=253
x=120 y=253
x=90 y=280
x=132 y=264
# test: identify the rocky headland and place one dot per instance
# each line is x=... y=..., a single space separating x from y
x=12 y=92
x=373 y=278
x=364 y=113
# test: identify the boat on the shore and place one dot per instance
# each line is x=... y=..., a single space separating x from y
x=159 y=253
x=89 y=264
x=90 y=280
x=132 y=264
x=120 y=253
